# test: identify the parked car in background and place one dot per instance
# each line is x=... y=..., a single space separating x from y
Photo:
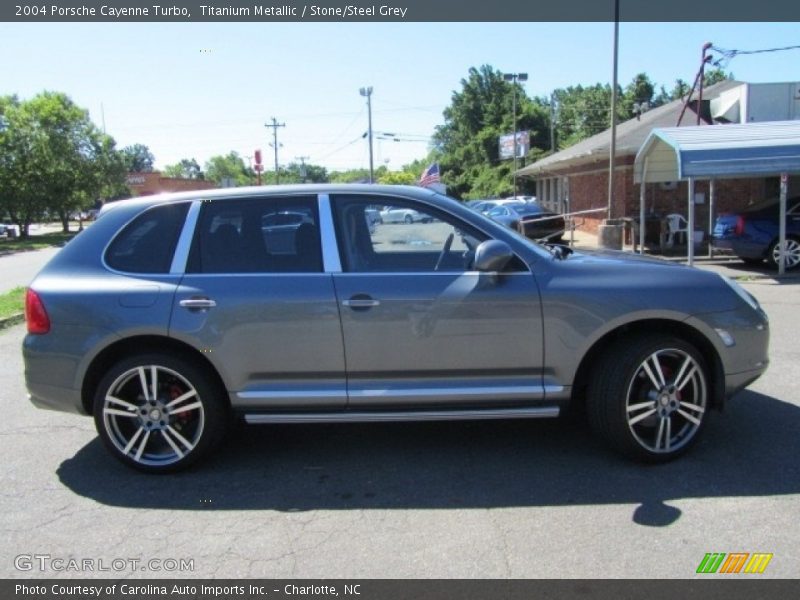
x=752 y=234
x=520 y=198
x=399 y=214
x=484 y=206
x=173 y=314
x=531 y=220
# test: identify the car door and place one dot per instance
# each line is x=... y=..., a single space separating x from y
x=256 y=301
x=420 y=327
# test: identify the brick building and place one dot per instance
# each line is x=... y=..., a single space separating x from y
x=147 y=184
x=576 y=178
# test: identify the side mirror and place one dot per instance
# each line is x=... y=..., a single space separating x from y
x=492 y=255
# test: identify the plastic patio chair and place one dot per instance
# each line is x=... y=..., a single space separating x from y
x=676 y=225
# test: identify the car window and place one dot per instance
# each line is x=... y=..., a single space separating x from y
x=258 y=235
x=147 y=243
x=406 y=237
x=498 y=212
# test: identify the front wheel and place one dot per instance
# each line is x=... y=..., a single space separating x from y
x=158 y=413
x=649 y=397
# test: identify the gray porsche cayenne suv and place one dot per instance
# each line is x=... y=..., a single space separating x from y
x=172 y=315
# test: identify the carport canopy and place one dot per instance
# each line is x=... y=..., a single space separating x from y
x=714 y=152
x=721 y=151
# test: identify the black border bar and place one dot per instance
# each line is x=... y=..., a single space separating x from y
x=370 y=11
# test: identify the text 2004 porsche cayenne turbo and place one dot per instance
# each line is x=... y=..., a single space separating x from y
x=172 y=314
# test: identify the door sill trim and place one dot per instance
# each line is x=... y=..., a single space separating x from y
x=399 y=416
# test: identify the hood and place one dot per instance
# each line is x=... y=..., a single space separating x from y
x=618 y=257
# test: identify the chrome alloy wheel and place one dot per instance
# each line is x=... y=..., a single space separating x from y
x=153 y=415
x=791 y=253
x=666 y=401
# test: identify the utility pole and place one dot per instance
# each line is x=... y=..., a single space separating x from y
x=613 y=150
x=367 y=92
x=302 y=160
x=274 y=144
x=702 y=76
x=553 y=122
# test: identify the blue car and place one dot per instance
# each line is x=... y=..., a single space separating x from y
x=752 y=234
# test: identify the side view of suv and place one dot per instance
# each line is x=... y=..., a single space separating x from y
x=171 y=315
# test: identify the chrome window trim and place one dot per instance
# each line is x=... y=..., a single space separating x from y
x=181 y=256
x=436 y=273
x=331 y=262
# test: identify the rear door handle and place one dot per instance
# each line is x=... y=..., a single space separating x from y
x=198 y=303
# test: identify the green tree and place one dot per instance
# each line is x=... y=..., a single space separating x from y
x=53 y=159
x=297 y=173
x=138 y=158
x=582 y=112
x=641 y=90
x=230 y=167
x=357 y=175
x=715 y=75
x=467 y=144
x=187 y=168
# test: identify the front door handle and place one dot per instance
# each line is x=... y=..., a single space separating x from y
x=361 y=301
x=198 y=303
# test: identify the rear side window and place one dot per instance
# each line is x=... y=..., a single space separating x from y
x=147 y=243
x=258 y=235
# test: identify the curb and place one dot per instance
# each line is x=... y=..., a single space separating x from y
x=12 y=320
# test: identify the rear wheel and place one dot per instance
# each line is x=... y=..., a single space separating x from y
x=791 y=251
x=159 y=413
x=649 y=397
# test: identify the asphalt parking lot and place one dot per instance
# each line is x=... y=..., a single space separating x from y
x=515 y=499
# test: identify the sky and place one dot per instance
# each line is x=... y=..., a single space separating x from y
x=195 y=90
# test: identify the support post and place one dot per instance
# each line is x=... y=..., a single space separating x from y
x=690 y=226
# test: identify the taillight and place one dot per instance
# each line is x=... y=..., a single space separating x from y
x=739 y=229
x=35 y=313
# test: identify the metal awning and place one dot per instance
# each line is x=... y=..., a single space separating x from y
x=705 y=152
x=721 y=151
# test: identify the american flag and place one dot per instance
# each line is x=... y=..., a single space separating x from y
x=430 y=175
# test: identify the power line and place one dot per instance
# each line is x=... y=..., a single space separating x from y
x=729 y=55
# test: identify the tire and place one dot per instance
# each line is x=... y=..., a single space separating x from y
x=753 y=262
x=792 y=247
x=163 y=432
x=408 y=219
x=649 y=397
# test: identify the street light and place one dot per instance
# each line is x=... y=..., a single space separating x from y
x=367 y=93
x=514 y=78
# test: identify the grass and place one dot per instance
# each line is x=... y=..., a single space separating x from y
x=12 y=303
x=35 y=242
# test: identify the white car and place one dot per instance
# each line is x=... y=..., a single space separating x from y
x=398 y=214
x=525 y=199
